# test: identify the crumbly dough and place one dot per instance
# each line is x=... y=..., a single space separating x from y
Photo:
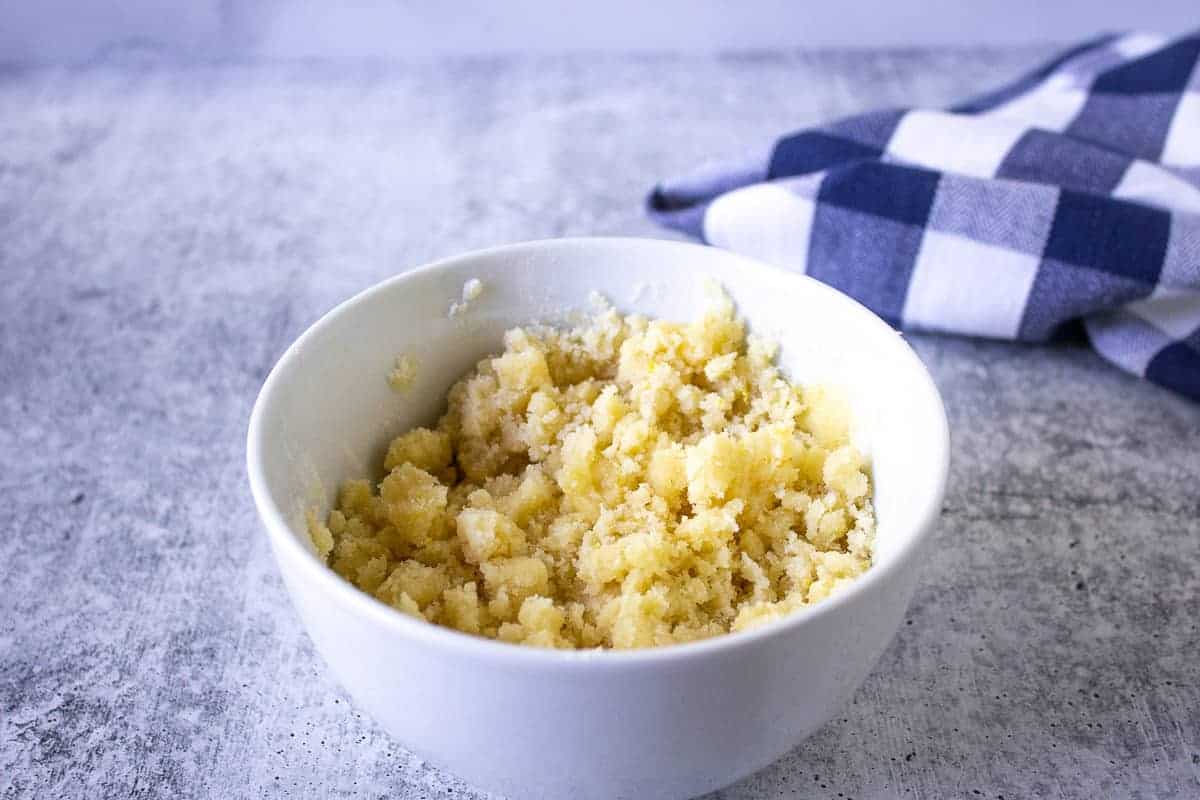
x=628 y=483
x=403 y=374
x=471 y=291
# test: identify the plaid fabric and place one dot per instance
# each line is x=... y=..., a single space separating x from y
x=1070 y=195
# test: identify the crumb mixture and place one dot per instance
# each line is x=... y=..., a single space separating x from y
x=403 y=374
x=471 y=291
x=628 y=483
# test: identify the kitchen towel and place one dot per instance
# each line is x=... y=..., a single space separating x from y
x=1071 y=195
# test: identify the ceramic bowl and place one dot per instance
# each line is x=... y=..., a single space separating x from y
x=670 y=722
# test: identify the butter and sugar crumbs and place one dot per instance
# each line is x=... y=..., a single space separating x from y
x=404 y=373
x=471 y=291
x=627 y=483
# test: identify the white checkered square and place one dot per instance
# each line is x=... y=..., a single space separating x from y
x=1136 y=45
x=1175 y=312
x=767 y=221
x=1149 y=183
x=1051 y=105
x=968 y=287
x=1182 y=146
x=968 y=145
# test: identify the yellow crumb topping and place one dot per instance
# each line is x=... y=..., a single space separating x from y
x=403 y=374
x=626 y=483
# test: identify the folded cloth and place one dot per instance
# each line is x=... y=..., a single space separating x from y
x=1070 y=195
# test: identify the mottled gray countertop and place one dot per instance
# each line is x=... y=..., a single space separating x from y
x=166 y=232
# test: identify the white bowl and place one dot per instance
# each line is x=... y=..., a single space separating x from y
x=670 y=722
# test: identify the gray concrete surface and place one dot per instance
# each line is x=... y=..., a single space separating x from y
x=165 y=232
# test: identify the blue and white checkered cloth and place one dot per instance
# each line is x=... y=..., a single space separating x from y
x=1070 y=195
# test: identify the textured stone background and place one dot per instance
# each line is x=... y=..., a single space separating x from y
x=164 y=233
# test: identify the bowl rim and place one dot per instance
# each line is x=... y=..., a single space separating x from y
x=317 y=574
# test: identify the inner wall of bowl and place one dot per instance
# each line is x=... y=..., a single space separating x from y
x=331 y=411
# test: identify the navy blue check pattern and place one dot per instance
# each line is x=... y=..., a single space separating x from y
x=1071 y=196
